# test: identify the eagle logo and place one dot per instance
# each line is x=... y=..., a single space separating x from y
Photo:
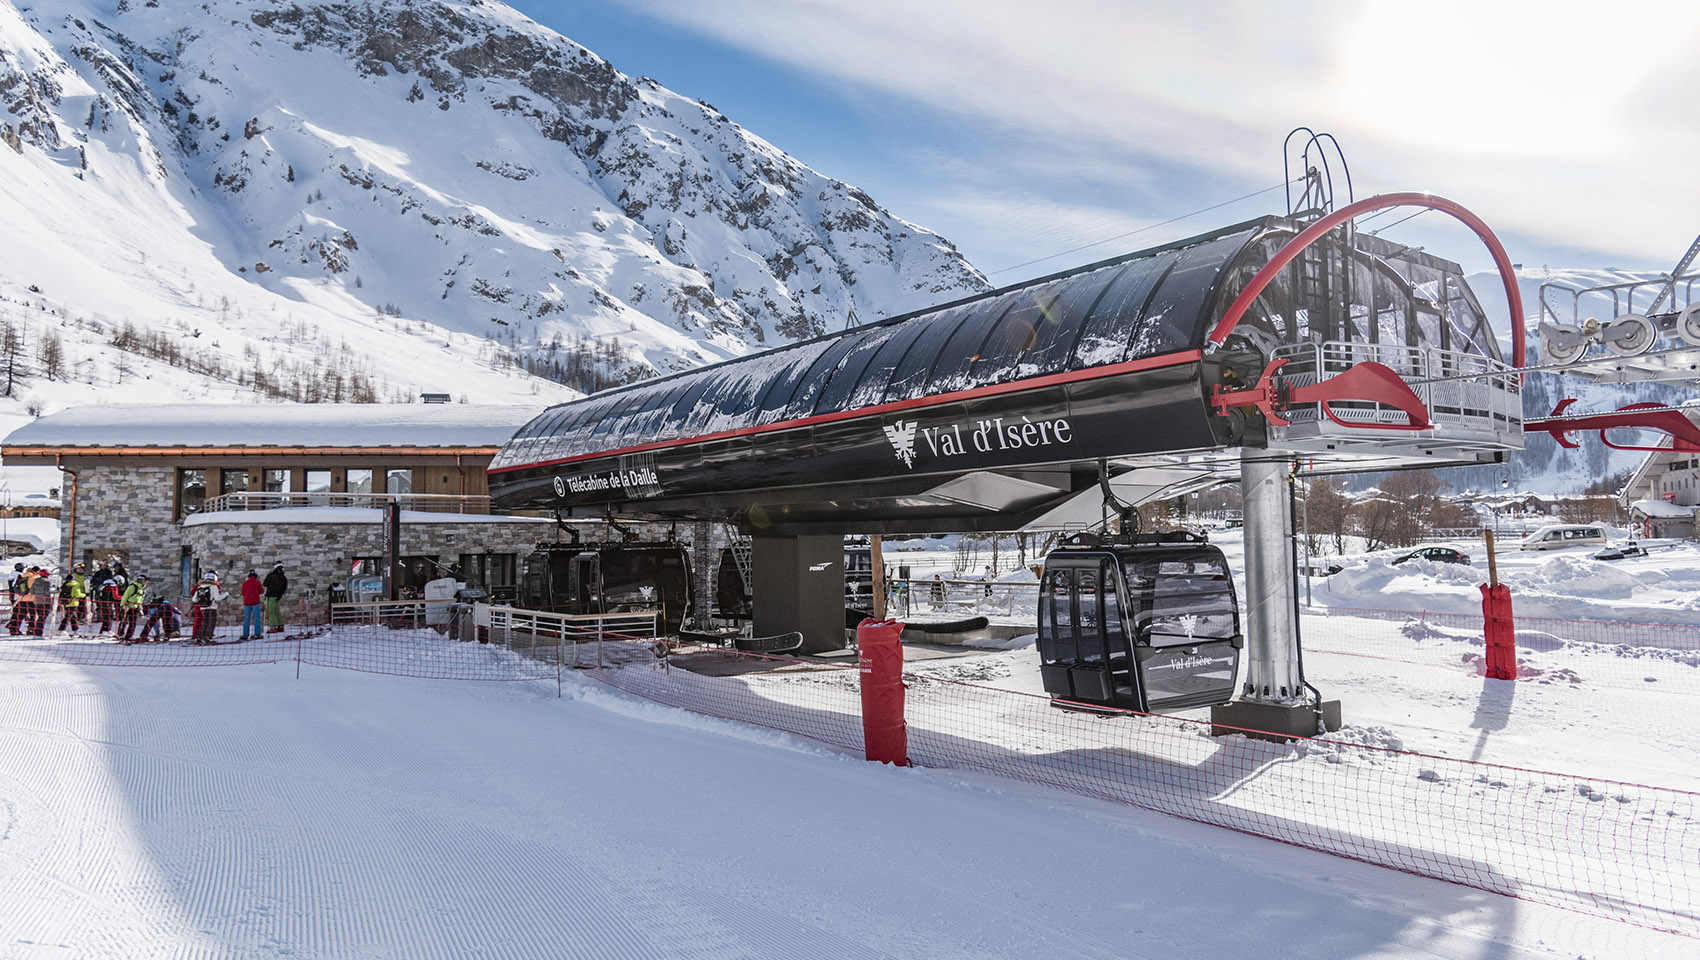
x=902 y=437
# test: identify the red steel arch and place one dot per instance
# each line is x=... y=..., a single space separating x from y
x=1315 y=231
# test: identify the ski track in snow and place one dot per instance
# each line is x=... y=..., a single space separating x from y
x=214 y=824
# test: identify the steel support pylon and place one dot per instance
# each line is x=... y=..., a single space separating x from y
x=1274 y=698
x=1272 y=622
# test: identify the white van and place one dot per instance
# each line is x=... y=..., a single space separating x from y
x=1565 y=535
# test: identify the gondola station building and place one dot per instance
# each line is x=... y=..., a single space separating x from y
x=175 y=491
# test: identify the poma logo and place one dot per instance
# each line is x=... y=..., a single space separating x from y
x=902 y=437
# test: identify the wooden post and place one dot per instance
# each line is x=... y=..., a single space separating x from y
x=876 y=557
x=1493 y=561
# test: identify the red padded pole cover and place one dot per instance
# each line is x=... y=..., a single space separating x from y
x=880 y=654
x=1500 y=631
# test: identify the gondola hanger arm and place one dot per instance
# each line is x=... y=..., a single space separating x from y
x=1685 y=436
x=1367 y=381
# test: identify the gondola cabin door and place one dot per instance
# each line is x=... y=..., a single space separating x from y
x=584 y=584
x=1151 y=625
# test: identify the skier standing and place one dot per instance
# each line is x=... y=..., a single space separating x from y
x=41 y=603
x=252 y=591
x=72 y=593
x=205 y=598
x=103 y=596
x=17 y=588
x=130 y=607
x=276 y=585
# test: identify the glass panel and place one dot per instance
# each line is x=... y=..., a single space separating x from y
x=910 y=379
x=359 y=480
x=876 y=376
x=1175 y=318
x=1115 y=317
x=1112 y=611
x=954 y=361
x=1191 y=600
x=232 y=481
x=1067 y=313
x=274 y=481
x=688 y=400
x=695 y=420
x=318 y=481
x=191 y=492
x=785 y=378
x=1061 y=602
x=803 y=400
x=608 y=428
x=847 y=377
x=1088 y=626
x=398 y=481
x=1008 y=350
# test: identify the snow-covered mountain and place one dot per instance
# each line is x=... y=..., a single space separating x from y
x=382 y=197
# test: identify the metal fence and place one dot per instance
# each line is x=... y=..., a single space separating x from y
x=423 y=502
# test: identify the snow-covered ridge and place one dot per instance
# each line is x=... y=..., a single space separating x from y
x=393 y=179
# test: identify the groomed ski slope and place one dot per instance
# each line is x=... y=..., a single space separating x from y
x=240 y=812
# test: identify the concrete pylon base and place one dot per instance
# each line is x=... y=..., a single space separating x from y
x=1272 y=721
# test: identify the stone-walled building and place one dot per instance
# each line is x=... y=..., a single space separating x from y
x=177 y=490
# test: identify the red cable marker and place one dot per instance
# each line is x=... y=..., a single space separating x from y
x=880 y=654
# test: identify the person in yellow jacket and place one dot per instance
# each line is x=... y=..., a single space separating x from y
x=72 y=594
x=130 y=608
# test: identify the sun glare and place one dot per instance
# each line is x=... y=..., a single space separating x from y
x=1556 y=78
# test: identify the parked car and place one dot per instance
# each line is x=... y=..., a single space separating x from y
x=1565 y=535
x=1437 y=554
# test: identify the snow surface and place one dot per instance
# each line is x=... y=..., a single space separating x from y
x=239 y=811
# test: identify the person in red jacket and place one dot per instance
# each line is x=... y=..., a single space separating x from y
x=253 y=591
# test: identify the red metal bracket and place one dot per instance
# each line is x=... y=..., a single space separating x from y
x=1367 y=381
x=1685 y=436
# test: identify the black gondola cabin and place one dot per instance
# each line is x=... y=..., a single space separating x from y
x=1147 y=623
x=586 y=578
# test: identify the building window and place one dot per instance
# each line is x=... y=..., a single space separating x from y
x=274 y=481
x=233 y=481
x=191 y=492
x=398 y=481
x=359 y=481
x=318 y=481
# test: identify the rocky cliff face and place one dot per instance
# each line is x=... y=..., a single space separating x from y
x=449 y=165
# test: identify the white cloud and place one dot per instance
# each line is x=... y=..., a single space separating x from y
x=1566 y=123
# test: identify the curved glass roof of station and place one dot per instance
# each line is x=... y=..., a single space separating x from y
x=1142 y=305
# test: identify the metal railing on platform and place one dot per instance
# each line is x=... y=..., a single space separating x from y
x=423 y=502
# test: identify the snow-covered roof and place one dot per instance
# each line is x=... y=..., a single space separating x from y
x=276 y=425
x=1661 y=508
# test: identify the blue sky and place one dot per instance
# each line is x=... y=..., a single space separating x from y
x=1041 y=136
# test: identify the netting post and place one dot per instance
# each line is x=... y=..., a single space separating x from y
x=1500 y=630
x=558 y=664
x=879 y=652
